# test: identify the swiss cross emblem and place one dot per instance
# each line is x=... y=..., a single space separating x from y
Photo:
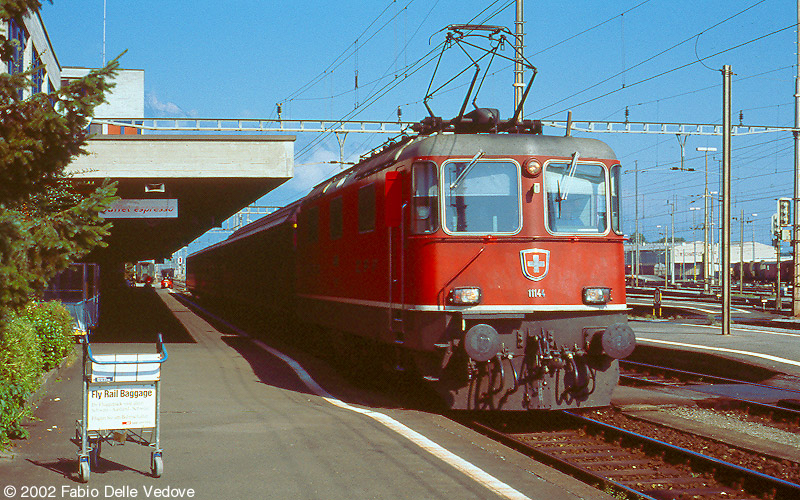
x=535 y=263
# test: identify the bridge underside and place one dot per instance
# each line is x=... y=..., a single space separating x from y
x=205 y=179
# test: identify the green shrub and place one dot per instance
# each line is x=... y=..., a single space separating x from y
x=53 y=325
x=20 y=369
x=32 y=341
x=20 y=353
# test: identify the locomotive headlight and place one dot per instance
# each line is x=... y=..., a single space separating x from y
x=532 y=168
x=596 y=295
x=464 y=296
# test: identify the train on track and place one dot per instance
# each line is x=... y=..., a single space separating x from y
x=479 y=253
x=765 y=272
x=761 y=273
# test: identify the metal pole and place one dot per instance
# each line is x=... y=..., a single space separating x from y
x=667 y=256
x=518 y=69
x=778 y=297
x=796 y=227
x=712 y=256
x=671 y=255
x=753 y=255
x=725 y=211
x=706 y=201
x=672 y=241
x=638 y=235
x=104 y=32
x=694 y=243
x=741 y=255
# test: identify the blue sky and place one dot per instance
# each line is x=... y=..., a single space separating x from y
x=660 y=59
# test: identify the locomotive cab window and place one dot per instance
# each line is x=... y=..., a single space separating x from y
x=481 y=197
x=576 y=197
x=425 y=199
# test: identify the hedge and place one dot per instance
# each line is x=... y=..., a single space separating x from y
x=32 y=342
x=53 y=325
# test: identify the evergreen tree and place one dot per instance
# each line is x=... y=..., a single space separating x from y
x=46 y=221
x=638 y=236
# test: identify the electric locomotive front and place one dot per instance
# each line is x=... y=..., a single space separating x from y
x=512 y=292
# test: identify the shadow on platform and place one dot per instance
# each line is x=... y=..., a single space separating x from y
x=136 y=315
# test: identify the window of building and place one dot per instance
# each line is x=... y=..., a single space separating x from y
x=366 y=208
x=336 y=218
x=425 y=199
x=38 y=74
x=18 y=37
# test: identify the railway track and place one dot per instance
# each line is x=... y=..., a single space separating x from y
x=623 y=462
x=785 y=414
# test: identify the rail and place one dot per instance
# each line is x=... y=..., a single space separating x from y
x=580 y=462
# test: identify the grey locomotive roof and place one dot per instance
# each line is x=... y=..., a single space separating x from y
x=467 y=145
x=440 y=144
x=505 y=144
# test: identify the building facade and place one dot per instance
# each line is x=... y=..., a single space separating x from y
x=32 y=51
x=686 y=258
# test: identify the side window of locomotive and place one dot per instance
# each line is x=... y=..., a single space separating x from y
x=576 y=198
x=336 y=222
x=482 y=197
x=366 y=208
x=616 y=219
x=309 y=225
x=425 y=199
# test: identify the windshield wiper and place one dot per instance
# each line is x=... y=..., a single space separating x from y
x=471 y=164
x=570 y=175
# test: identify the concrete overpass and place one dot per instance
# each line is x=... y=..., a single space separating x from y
x=176 y=187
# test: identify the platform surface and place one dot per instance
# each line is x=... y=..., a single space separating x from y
x=773 y=348
x=238 y=422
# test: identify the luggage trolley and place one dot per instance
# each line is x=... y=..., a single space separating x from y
x=121 y=393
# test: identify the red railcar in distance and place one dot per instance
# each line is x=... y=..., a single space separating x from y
x=489 y=263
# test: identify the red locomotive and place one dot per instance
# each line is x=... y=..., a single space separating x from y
x=489 y=262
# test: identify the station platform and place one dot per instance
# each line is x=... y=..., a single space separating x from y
x=240 y=420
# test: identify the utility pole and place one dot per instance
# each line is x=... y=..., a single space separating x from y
x=778 y=295
x=671 y=259
x=638 y=235
x=104 y=32
x=741 y=255
x=519 y=84
x=694 y=242
x=725 y=211
x=706 y=250
x=796 y=227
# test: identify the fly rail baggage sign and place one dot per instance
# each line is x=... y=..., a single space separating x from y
x=121 y=406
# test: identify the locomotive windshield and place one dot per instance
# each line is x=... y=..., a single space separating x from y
x=481 y=197
x=576 y=198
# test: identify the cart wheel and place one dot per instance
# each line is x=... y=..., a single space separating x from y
x=94 y=454
x=84 y=471
x=156 y=464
